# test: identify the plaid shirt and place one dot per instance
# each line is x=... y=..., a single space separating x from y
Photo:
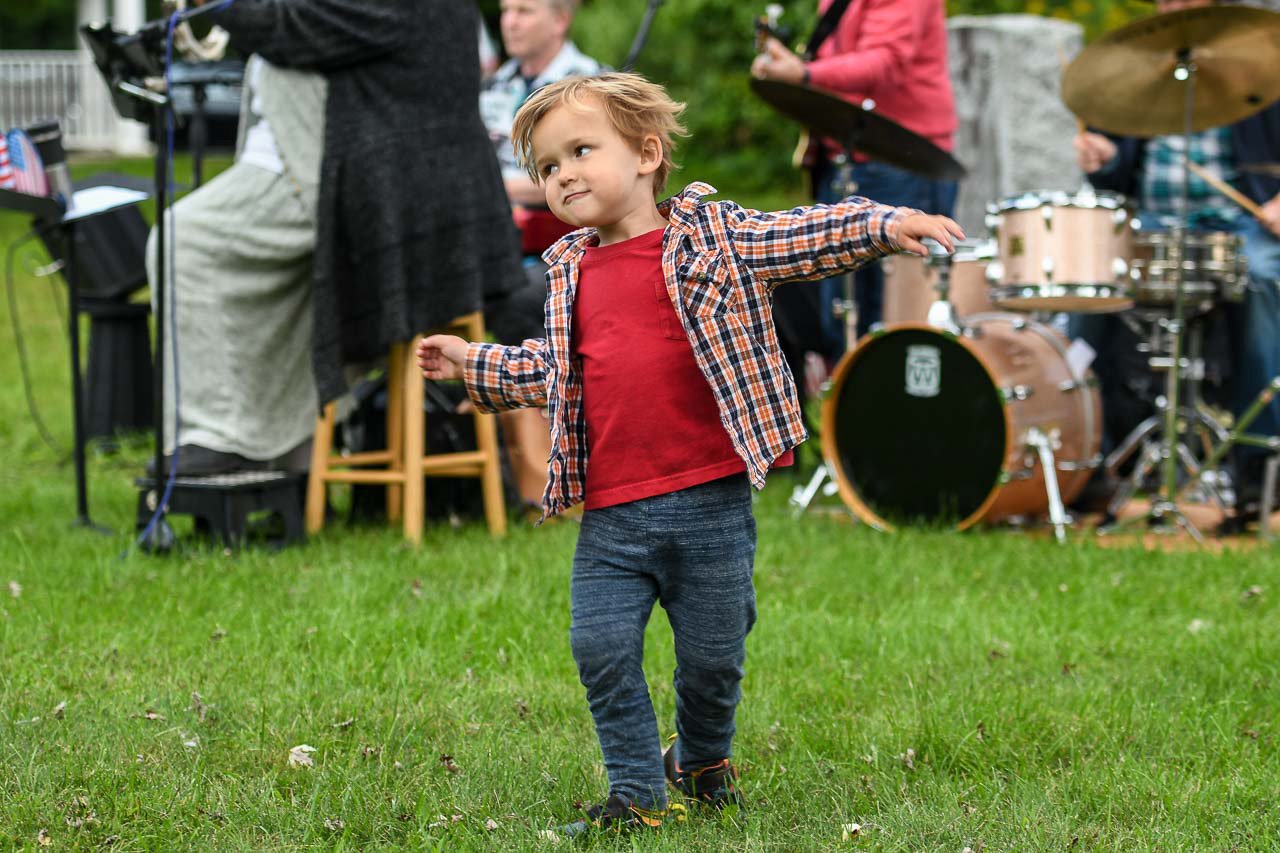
x=721 y=264
x=1163 y=170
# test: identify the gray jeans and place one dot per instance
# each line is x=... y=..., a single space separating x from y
x=692 y=551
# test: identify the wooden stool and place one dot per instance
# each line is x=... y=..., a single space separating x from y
x=402 y=466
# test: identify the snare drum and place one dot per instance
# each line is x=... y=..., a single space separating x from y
x=1214 y=269
x=910 y=283
x=925 y=425
x=1061 y=252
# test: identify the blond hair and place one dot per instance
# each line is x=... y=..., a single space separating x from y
x=569 y=7
x=635 y=108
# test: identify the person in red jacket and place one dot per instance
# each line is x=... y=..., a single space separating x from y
x=894 y=53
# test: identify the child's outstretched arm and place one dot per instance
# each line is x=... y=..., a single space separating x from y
x=822 y=240
x=497 y=377
x=442 y=356
x=922 y=226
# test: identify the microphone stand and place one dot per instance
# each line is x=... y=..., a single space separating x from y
x=642 y=35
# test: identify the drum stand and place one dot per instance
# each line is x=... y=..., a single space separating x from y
x=823 y=480
x=1164 y=514
x=846 y=307
x=1193 y=415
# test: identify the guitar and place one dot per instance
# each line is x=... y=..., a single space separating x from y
x=766 y=27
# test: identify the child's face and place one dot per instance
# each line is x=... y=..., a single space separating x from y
x=592 y=175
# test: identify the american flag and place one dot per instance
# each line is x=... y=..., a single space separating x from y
x=6 y=171
x=28 y=171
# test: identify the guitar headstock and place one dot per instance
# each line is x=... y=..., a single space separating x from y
x=767 y=26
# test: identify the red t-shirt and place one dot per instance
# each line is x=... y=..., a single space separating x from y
x=653 y=426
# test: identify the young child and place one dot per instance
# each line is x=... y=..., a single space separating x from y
x=668 y=399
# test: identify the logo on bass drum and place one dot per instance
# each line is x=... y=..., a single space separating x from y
x=924 y=371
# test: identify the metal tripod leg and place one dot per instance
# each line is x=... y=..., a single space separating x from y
x=1211 y=484
x=1160 y=508
x=1049 y=465
x=802 y=496
x=1150 y=459
x=1131 y=443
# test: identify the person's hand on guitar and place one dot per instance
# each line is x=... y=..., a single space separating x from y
x=777 y=62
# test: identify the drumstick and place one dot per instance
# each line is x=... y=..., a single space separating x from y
x=1228 y=190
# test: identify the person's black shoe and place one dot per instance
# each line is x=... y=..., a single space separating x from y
x=1097 y=494
x=619 y=814
x=197 y=461
x=715 y=785
x=1244 y=514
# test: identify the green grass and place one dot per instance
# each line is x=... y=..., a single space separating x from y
x=1052 y=698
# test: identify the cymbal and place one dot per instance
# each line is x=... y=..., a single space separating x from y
x=1270 y=169
x=858 y=129
x=1124 y=83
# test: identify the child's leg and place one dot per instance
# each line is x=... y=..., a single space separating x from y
x=711 y=605
x=613 y=592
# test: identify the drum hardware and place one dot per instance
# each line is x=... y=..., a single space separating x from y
x=1193 y=417
x=846 y=308
x=937 y=291
x=1061 y=251
x=1074 y=384
x=964 y=445
x=1126 y=81
x=1213 y=268
x=1207 y=474
x=1141 y=80
x=1045 y=445
x=942 y=313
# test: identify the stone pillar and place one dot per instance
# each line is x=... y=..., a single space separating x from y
x=1015 y=133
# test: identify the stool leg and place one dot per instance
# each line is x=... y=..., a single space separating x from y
x=396 y=367
x=321 y=448
x=495 y=511
x=414 y=508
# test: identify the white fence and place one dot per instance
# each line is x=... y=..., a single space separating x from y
x=61 y=84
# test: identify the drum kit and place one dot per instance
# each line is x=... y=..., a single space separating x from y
x=967 y=405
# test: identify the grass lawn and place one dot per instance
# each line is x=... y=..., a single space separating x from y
x=991 y=691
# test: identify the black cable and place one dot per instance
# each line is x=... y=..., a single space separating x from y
x=642 y=35
x=21 y=344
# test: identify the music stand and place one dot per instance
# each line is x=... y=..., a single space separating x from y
x=48 y=213
x=127 y=62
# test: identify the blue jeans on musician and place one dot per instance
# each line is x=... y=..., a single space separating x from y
x=692 y=551
x=1255 y=327
x=887 y=185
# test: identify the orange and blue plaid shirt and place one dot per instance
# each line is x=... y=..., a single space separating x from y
x=721 y=262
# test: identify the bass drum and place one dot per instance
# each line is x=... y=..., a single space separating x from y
x=922 y=425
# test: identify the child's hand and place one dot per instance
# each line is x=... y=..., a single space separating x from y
x=918 y=226
x=442 y=356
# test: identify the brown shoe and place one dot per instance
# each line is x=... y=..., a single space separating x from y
x=715 y=785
